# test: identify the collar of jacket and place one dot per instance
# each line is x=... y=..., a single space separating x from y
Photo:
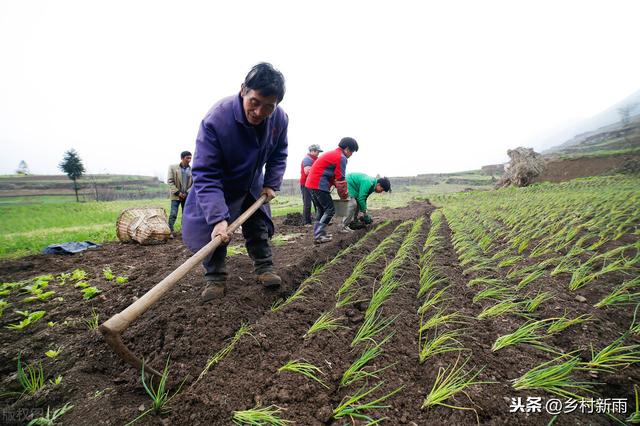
x=238 y=113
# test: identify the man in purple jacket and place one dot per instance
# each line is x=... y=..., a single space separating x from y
x=239 y=136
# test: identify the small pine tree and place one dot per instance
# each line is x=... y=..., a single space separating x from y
x=71 y=164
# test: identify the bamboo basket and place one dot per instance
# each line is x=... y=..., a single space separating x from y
x=146 y=225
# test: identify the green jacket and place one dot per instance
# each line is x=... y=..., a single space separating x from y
x=360 y=187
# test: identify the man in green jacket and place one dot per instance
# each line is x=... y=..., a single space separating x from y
x=360 y=187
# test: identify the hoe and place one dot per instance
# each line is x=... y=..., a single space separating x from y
x=113 y=328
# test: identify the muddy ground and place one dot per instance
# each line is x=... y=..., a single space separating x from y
x=103 y=390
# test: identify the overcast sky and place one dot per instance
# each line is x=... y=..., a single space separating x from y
x=424 y=86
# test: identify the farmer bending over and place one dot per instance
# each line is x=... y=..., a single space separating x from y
x=239 y=136
x=328 y=170
x=360 y=187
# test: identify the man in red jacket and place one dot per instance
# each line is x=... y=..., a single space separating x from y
x=305 y=166
x=329 y=170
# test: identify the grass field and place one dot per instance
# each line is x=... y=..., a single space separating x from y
x=466 y=312
x=31 y=223
x=29 y=227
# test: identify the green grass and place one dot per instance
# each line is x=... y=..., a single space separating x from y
x=93 y=322
x=614 y=356
x=355 y=408
x=357 y=372
x=450 y=382
x=33 y=379
x=554 y=377
x=51 y=417
x=159 y=393
x=259 y=416
x=31 y=223
x=26 y=229
x=325 y=321
x=222 y=353
x=304 y=368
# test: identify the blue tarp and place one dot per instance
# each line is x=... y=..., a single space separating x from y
x=69 y=248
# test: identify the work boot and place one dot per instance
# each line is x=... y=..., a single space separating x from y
x=322 y=239
x=213 y=290
x=269 y=279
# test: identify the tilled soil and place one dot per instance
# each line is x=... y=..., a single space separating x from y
x=103 y=390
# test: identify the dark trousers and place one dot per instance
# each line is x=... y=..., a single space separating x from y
x=307 y=200
x=256 y=234
x=173 y=215
x=325 y=211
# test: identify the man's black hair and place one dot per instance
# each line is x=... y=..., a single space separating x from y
x=267 y=80
x=184 y=154
x=385 y=184
x=348 y=143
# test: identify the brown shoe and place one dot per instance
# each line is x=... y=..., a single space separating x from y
x=323 y=239
x=269 y=279
x=213 y=290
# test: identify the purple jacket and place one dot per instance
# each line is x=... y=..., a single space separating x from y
x=228 y=165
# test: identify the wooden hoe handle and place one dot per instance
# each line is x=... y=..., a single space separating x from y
x=114 y=326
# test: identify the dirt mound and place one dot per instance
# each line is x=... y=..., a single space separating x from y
x=563 y=170
x=293 y=219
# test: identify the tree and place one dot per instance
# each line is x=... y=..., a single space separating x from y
x=625 y=112
x=23 y=169
x=71 y=164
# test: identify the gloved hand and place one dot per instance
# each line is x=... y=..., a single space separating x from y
x=367 y=219
x=342 y=188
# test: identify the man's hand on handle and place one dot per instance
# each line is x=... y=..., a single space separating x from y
x=221 y=229
x=271 y=194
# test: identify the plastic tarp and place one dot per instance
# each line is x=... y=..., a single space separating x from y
x=69 y=248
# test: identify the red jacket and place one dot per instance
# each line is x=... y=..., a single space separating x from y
x=328 y=169
x=307 y=161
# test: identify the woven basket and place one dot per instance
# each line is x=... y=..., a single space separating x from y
x=146 y=225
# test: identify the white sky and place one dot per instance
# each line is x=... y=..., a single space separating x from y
x=424 y=86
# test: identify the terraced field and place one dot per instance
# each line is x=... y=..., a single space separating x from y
x=511 y=307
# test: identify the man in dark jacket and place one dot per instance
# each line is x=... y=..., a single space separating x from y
x=329 y=170
x=239 y=136
x=305 y=166
x=179 y=180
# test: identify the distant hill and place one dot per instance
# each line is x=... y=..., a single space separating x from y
x=615 y=138
x=92 y=187
x=609 y=116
